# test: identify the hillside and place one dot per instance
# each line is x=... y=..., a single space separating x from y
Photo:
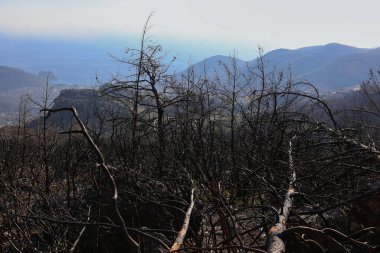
x=328 y=67
x=346 y=71
x=213 y=65
x=13 y=84
x=13 y=80
x=308 y=59
x=16 y=83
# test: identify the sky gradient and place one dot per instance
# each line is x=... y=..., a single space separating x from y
x=228 y=25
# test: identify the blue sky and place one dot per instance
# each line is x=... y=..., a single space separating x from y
x=194 y=28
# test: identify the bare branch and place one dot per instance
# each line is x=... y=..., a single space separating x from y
x=182 y=233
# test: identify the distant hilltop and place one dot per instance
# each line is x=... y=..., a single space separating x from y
x=13 y=78
x=328 y=67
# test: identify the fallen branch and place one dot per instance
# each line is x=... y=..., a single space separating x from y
x=182 y=233
x=274 y=242
x=340 y=135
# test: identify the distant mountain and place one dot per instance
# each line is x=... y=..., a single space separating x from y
x=328 y=67
x=308 y=59
x=88 y=62
x=213 y=66
x=346 y=71
x=15 y=83
x=12 y=79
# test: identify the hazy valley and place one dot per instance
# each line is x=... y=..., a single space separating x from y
x=332 y=67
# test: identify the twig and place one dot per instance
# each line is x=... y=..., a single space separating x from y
x=80 y=233
x=341 y=203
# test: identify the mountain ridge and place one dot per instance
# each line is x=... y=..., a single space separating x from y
x=328 y=67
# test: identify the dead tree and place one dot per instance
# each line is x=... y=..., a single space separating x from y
x=102 y=164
